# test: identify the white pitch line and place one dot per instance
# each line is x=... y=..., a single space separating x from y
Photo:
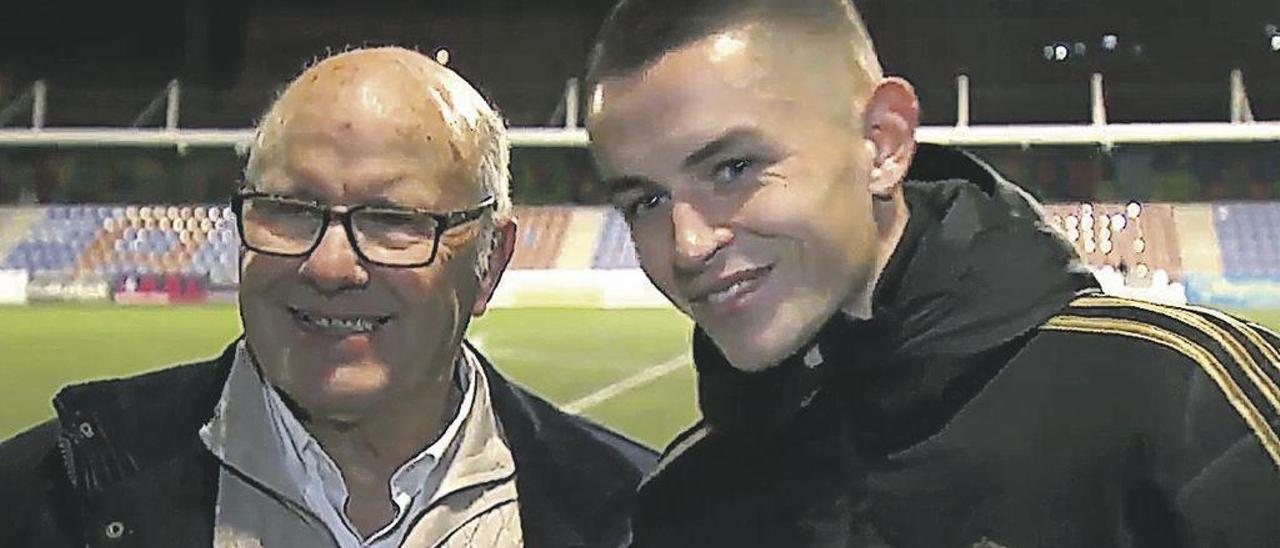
x=630 y=383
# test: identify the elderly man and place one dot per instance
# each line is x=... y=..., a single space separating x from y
x=892 y=347
x=376 y=220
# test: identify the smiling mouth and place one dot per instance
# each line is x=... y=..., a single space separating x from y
x=338 y=325
x=736 y=288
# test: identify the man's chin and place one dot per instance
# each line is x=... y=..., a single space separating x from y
x=755 y=347
x=757 y=366
x=356 y=379
x=343 y=406
x=343 y=391
x=752 y=357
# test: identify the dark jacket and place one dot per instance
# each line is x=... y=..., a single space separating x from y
x=126 y=455
x=994 y=400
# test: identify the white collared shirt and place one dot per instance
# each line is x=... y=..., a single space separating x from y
x=317 y=479
x=325 y=491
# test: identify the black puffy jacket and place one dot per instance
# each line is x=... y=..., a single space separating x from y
x=995 y=399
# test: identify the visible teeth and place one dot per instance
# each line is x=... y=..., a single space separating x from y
x=358 y=325
x=726 y=293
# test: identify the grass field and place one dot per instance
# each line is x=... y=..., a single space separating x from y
x=568 y=356
x=564 y=355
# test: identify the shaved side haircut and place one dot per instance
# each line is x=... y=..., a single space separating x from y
x=638 y=32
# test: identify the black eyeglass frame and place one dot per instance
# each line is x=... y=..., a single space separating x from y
x=444 y=222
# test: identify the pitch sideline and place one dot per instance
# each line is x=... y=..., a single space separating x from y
x=637 y=380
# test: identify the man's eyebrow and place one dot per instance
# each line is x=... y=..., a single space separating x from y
x=726 y=140
x=295 y=193
x=618 y=185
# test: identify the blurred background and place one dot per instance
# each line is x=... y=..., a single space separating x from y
x=1151 y=128
x=104 y=63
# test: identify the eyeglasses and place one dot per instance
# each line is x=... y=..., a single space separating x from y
x=386 y=236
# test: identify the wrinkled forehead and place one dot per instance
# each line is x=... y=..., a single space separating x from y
x=405 y=117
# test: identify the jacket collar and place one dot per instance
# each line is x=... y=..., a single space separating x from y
x=976 y=270
x=576 y=479
x=254 y=432
x=129 y=442
x=242 y=433
x=119 y=427
x=571 y=473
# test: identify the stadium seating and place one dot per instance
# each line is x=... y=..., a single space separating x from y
x=1249 y=239
x=109 y=242
x=126 y=242
x=1135 y=239
x=614 y=249
x=15 y=223
x=116 y=241
x=540 y=237
x=55 y=242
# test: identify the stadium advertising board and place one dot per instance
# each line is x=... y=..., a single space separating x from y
x=13 y=286
x=159 y=289
x=587 y=288
x=56 y=288
x=1236 y=294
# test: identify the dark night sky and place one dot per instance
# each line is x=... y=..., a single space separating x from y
x=231 y=53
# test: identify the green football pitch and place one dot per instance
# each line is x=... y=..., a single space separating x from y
x=626 y=368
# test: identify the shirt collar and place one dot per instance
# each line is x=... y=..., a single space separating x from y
x=240 y=434
x=481 y=454
x=254 y=432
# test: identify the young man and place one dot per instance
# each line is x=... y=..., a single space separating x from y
x=892 y=347
x=376 y=220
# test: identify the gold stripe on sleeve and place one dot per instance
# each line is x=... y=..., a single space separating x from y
x=1250 y=331
x=1238 y=352
x=1202 y=357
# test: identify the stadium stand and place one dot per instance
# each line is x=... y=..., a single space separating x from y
x=1197 y=240
x=54 y=243
x=107 y=242
x=1214 y=247
x=1135 y=239
x=578 y=248
x=542 y=230
x=15 y=224
x=1249 y=239
x=614 y=249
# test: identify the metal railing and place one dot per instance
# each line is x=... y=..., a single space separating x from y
x=1241 y=126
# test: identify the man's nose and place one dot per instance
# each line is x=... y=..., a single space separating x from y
x=697 y=239
x=334 y=265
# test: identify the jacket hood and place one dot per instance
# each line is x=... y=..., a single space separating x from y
x=976 y=270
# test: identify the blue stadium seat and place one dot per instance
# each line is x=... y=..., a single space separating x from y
x=1249 y=240
x=615 y=249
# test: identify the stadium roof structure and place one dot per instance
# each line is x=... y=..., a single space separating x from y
x=979 y=135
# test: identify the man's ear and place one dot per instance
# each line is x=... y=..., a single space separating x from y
x=504 y=248
x=892 y=114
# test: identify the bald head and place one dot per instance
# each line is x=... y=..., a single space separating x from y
x=389 y=97
x=361 y=319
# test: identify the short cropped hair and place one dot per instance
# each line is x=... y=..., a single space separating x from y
x=638 y=32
